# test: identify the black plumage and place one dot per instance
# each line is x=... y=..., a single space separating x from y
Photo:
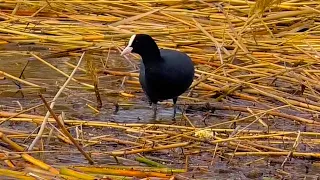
x=164 y=74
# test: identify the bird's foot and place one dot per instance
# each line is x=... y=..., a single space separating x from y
x=174 y=112
x=154 y=107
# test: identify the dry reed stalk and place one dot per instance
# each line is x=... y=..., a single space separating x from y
x=248 y=137
x=22 y=112
x=52 y=105
x=294 y=154
x=126 y=172
x=295 y=145
x=18 y=79
x=127 y=126
x=27 y=157
x=66 y=132
x=48 y=64
x=69 y=172
x=91 y=69
x=16 y=174
x=149 y=162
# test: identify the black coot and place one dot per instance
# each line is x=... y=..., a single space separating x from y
x=164 y=74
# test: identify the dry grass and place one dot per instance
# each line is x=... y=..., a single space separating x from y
x=263 y=53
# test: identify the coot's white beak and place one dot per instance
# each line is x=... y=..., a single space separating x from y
x=126 y=50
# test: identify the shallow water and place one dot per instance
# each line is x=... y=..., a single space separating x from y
x=74 y=101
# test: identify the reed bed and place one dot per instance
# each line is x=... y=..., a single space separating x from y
x=257 y=64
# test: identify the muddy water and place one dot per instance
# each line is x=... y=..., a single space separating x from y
x=73 y=103
x=75 y=100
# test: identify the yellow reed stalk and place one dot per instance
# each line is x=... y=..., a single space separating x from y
x=92 y=108
x=43 y=37
x=249 y=137
x=39 y=163
x=72 y=173
x=294 y=154
x=37 y=119
x=100 y=170
x=128 y=20
x=61 y=72
x=27 y=157
x=18 y=79
x=125 y=172
x=15 y=174
x=294 y=147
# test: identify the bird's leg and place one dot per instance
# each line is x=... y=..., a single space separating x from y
x=174 y=107
x=154 y=107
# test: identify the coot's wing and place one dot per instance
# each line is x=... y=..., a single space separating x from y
x=178 y=66
x=171 y=77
